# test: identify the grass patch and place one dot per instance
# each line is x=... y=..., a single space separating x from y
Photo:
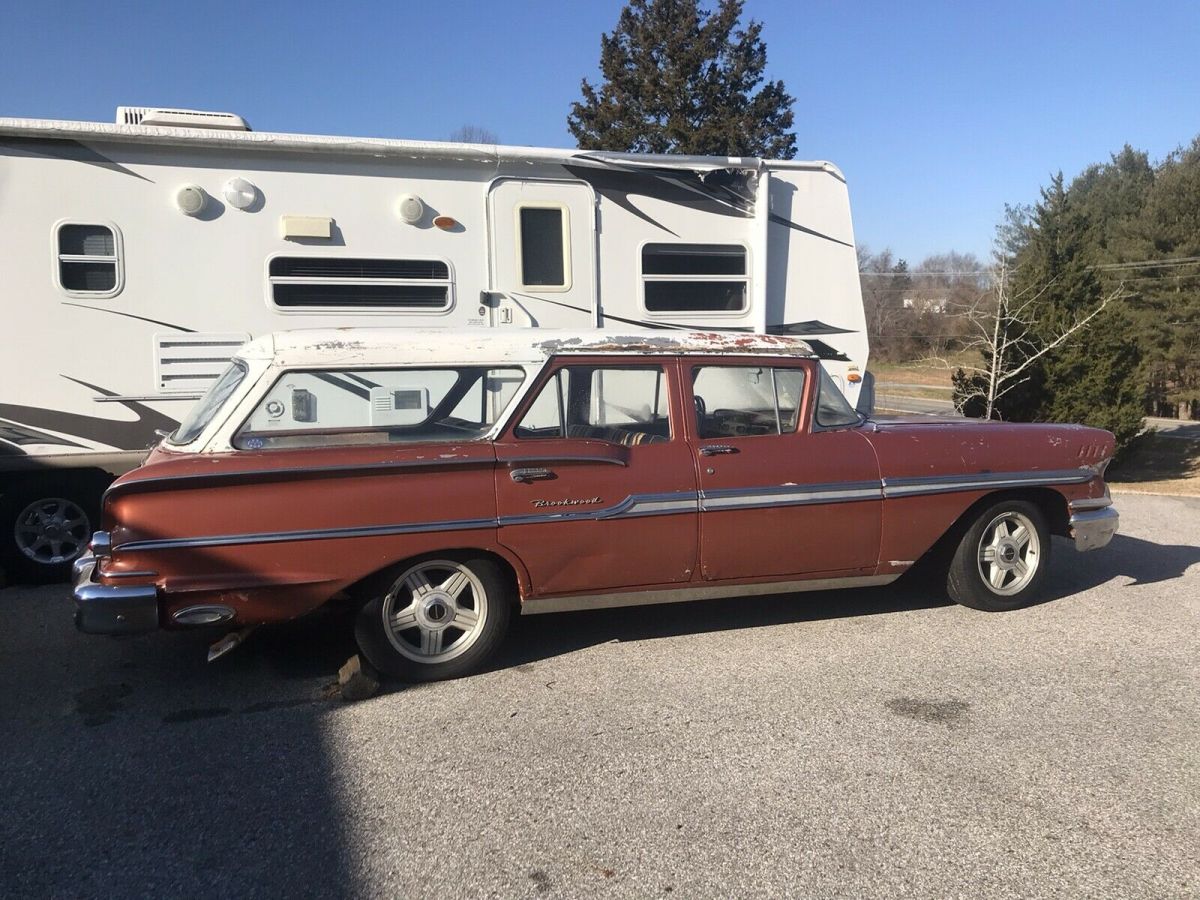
x=1158 y=463
x=924 y=373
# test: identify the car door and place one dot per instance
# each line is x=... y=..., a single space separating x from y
x=596 y=482
x=778 y=497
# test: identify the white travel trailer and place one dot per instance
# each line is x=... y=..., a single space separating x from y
x=139 y=255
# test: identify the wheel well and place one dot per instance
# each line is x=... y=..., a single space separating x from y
x=371 y=585
x=1052 y=504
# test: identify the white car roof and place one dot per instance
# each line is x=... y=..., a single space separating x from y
x=341 y=347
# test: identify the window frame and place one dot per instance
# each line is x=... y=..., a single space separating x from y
x=519 y=245
x=449 y=282
x=746 y=278
x=117 y=259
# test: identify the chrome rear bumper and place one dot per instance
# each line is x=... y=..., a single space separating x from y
x=1092 y=529
x=111 y=609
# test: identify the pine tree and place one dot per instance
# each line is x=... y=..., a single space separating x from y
x=679 y=79
x=1092 y=378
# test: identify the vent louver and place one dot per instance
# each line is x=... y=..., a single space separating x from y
x=190 y=363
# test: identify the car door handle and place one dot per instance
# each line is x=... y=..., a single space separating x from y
x=714 y=449
x=524 y=476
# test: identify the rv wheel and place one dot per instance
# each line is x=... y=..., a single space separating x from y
x=44 y=527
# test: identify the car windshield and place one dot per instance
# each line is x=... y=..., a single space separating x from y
x=204 y=410
x=833 y=409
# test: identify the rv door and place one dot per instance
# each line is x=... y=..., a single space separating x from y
x=543 y=254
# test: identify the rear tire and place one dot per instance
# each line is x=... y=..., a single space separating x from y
x=1001 y=560
x=436 y=618
x=45 y=526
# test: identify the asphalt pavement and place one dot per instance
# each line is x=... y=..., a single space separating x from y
x=871 y=743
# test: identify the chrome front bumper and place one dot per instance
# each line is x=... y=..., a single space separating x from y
x=111 y=609
x=1092 y=529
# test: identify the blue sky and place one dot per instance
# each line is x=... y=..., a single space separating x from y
x=938 y=113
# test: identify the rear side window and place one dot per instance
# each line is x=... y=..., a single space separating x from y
x=743 y=401
x=89 y=260
x=379 y=406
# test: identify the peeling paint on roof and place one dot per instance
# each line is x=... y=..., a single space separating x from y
x=408 y=346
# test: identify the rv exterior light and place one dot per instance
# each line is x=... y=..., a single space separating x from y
x=854 y=378
x=191 y=199
x=240 y=193
x=446 y=223
x=410 y=208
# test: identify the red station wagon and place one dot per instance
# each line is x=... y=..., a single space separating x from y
x=444 y=481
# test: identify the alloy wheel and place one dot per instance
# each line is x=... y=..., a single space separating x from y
x=52 y=531
x=435 y=611
x=1009 y=553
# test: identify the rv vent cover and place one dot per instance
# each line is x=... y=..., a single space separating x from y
x=180 y=118
x=190 y=363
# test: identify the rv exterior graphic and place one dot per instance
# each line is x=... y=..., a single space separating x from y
x=141 y=254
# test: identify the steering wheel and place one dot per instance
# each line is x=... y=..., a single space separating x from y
x=701 y=409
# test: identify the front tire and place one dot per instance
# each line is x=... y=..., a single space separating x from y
x=436 y=618
x=1001 y=561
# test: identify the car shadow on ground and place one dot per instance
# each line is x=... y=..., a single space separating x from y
x=540 y=637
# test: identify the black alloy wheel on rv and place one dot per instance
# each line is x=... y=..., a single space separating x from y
x=45 y=525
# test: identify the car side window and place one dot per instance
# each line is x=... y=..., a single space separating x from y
x=744 y=401
x=621 y=404
x=339 y=407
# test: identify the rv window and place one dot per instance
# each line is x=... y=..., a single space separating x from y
x=544 y=247
x=88 y=259
x=337 y=283
x=691 y=278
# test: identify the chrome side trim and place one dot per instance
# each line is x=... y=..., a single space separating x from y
x=940 y=484
x=312 y=534
x=1094 y=528
x=638 y=505
x=536 y=605
x=635 y=505
x=791 y=495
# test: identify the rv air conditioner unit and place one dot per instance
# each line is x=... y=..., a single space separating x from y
x=180 y=118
